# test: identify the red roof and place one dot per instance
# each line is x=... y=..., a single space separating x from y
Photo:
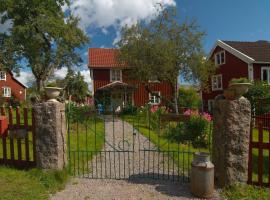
x=103 y=58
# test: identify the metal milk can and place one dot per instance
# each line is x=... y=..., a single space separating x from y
x=202 y=175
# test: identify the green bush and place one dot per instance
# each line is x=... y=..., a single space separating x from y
x=188 y=98
x=79 y=114
x=258 y=91
x=175 y=132
x=129 y=109
x=195 y=130
x=240 y=80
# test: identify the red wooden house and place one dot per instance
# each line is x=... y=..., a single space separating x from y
x=234 y=60
x=11 y=87
x=113 y=87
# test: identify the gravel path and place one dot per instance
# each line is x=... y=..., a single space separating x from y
x=128 y=154
x=131 y=164
x=86 y=189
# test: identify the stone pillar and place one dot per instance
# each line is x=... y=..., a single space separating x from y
x=231 y=140
x=50 y=130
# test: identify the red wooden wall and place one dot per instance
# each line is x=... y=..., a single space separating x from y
x=17 y=89
x=233 y=68
x=101 y=77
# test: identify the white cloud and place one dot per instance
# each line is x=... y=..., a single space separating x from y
x=86 y=74
x=26 y=77
x=61 y=73
x=6 y=26
x=104 y=31
x=116 y=13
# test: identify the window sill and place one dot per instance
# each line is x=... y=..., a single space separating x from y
x=219 y=89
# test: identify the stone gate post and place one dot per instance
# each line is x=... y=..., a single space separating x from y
x=50 y=130
x=231 y=140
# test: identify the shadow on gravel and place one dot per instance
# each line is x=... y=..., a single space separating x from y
x=173 y=186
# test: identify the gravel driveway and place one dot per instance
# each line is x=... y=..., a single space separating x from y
x=131 y=165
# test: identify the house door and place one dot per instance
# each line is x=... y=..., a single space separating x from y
x=116 y=101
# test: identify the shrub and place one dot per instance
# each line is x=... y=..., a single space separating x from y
x=129 y=109
x=240 y=80
x=195 y=130
x=176 y=132
x=259 y=90
x=150 y=115
x=188 y=98
x=79 y=114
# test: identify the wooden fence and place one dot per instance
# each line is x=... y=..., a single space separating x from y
x=259 y=154
x=17 y=143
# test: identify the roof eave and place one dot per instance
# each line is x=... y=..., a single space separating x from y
x=232 y=50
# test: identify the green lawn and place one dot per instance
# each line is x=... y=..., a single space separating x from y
x=185 y=156
x=30 y=185
x=245 y=192
x=36 y=184
x=86 y=140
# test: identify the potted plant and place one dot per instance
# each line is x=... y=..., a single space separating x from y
x=52 y=91
x=240 y=86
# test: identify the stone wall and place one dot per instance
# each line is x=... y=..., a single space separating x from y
x=231 y=140
x=50 y=130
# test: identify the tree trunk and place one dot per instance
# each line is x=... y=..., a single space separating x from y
x=40 y=85
x=176 y=98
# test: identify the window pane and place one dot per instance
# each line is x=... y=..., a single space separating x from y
x=219 y=82
x=265 y=75
x=222 y=55
x=218 y=59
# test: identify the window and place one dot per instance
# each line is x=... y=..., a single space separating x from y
x=220 y=58
x=6 y=92
x=265 y=74
x=3 y=75
x=210 y=105
x=116 y=75
x=217 y=82
x=154 y=98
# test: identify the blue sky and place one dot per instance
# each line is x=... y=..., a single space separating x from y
x=243 y=20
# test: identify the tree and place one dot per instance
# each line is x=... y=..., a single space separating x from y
x=163 y=49
x=76 y=86
x=44 y=36
x=188 y=98
x=257 y=94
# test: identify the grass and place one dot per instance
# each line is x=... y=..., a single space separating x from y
x=245 y=192
x=86 y=140
x=185 y=160
x=182 y=154
x=266 y=155
x=34 y=184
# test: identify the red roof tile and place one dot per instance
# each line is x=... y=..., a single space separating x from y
x=103 y=58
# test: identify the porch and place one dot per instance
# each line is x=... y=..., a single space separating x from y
x=115 y=96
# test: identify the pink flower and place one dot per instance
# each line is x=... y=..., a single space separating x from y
x=190 y=112
x=154 y=109
x=207 y=116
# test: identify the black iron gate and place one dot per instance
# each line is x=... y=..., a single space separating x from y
x=126 y=146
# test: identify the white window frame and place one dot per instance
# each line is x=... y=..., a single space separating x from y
x=6 y=92
x=218 y=54
x=210 y=105
x=157 y=100
x=216 y=77
x=268 y=73
x=112 y=79
x=4 y=75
